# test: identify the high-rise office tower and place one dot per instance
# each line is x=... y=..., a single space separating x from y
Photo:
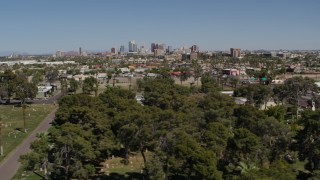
x=169 y=50
x=194 y=48
x=113 y=50
x=142 y=48
x=153 y=47
x=122 y=49
x=235 y=52
x=133 y=46
x=162 y=46
x=158 y=52
x=59 y=54
x=80 y=51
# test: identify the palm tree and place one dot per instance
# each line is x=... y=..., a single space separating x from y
x=245 y=168
x=197 y=71
x=184 y=75
x=234 y=81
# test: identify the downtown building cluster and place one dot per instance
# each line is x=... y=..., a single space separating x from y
x=156 y=49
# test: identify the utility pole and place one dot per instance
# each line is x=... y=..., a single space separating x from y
x=1 y=148
x=24 y=117
x=297 y=105
x=298 y=102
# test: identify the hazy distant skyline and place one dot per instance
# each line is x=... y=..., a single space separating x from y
x=39 y=26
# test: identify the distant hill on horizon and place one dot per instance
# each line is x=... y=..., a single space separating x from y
x=8 y=53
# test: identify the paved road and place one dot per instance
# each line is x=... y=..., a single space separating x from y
x=51 y=100
x=10 y=165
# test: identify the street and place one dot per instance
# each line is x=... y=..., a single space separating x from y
x=10 y=165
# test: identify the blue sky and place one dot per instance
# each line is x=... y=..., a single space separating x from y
x=44 y=26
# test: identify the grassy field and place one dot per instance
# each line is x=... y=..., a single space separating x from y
x=26 y=175
x=115 y=165
x=111 y=168
x=12 y=120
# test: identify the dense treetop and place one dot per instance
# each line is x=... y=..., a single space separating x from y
x=192 y=134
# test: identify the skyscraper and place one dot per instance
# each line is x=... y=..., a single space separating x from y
x=122 y=49
x=153 y=47
x=133 y=46
x=169 y=50
x=59 y=54
x=80 y=51
x=158 y=52
x=235 y=52
x=142 y=48
x=113 y=50
x=162 y=46
x=194 y=48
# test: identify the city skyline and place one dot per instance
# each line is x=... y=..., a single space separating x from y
x=39 y=27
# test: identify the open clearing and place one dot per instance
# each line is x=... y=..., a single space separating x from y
x=12 y=123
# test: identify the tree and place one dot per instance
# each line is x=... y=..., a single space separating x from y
x=164 y=70
x=292 y=90
x=37 y=77
x=118 y=99
x=74 y=85
x=244 y=142
x=109 y=76
x=216 y=107
x=90 y=84
x=256 y=94
x=190 y=135
x=216 y=138
x=52 y=75
x=131 y=125
x=73 y=152
x=197 y=70
x=64 y=86
x=8 y=84
x=135 y=131
x=275 y=136
x=86 y=111
x=308 y=142
x=278 y=170
x=82 y=137
x=1 y=147
x=115 y=74
x=154 y=169
x=184 y=74
x=25 y=90
x=277 y=112
x=234 y=81
x=163 y=93
x=209 y=83
x=187 y=159
x=38 y=157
